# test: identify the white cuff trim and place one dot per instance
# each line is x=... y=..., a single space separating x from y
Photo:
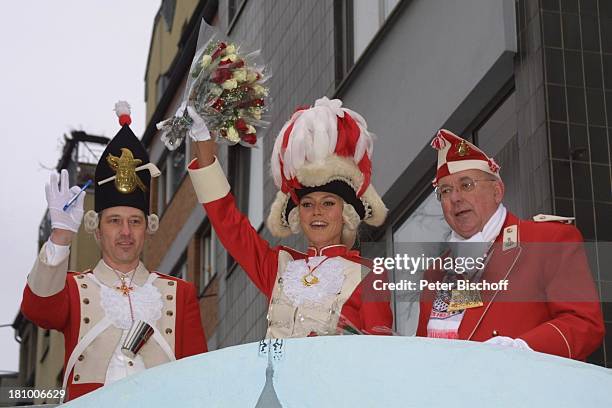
x=56 y=253
x=209 y=182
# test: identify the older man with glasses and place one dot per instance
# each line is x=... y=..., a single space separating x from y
x=549 y=304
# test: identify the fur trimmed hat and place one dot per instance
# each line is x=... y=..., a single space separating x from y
x=456 y=154
x=324 y=148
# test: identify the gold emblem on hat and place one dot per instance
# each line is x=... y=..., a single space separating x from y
x=126 y=179
x=463 y=149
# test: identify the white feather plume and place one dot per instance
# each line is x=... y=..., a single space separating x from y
x=365 y=143
x=314 y=136
x=122 y=108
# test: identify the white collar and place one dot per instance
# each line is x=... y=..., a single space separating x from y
x=489 y=232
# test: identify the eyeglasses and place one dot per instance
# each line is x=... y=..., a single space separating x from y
x=467 y=184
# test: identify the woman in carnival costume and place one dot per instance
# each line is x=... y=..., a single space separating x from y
x=321 y=164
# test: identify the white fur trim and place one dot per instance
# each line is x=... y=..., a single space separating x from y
x=331 y=168
x=350 y=217
x=276 y=223
x=152 y=224
x=209 y=182
x=91 y=221
x=294 y=220
x=377 y=209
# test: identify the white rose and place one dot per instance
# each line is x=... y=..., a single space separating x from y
x=260 y=90
x=205 y=60
x=232 y=135
x=240 y=75
x=230 y=84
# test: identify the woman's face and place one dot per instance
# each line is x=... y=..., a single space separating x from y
x=321 y=218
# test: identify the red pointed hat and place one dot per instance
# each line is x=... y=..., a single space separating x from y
x=324 y=148
x=456 y=154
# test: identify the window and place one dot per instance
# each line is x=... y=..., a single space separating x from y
x=497 y=130
x=177 y=166
x=356 y=23
x=239 y=159
x=161 y=85
x=255 y=210
x=207 y=257
x=173 y=168
x=167 y=12
x=496 y=136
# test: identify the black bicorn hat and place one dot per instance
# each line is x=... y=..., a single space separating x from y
x=124 y=172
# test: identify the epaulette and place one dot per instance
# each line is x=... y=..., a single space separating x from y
x=556 y=218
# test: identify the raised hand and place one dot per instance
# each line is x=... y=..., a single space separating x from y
x=199 y=131
x=57 y=196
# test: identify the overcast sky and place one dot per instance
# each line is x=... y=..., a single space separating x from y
x=64 y=65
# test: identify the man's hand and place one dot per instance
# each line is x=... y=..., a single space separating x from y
x=64 y=223
x=504 y=341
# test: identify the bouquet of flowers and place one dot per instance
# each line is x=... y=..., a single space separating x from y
x=227 y=89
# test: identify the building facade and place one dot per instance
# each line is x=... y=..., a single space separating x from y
x=529 y=81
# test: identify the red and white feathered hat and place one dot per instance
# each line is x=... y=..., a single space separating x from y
x=456 y=154
x=324 y=148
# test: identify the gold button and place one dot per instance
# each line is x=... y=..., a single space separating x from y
x=86 y=301
x=84 y=285
x=494 y=333
x=76 y=377
x=169 y=297
x=169 y=313
x=130 y=363
x=170 y=283
x=86 y=320
x=168 y=331
x=81 y=357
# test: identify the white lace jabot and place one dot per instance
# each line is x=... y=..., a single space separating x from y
x=330 y=274
x=146 y=300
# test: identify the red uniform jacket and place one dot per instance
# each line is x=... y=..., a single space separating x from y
x=551 y=301
x=365 y=310
x=62 y=312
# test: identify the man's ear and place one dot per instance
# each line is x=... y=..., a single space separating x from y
x=500 y=189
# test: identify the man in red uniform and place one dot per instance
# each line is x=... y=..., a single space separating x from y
x=550 y=303
x=96 y=309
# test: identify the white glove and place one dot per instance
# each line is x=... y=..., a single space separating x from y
x=504 y=341
x=199 y=131
x=57 y=197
